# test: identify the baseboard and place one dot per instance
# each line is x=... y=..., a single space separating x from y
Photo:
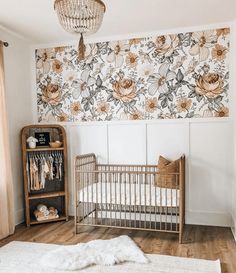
x=19 y=216
x=208 y=218
x=233 y=226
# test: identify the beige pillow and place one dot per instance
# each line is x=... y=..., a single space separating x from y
x=163 y=162
x=166 y=178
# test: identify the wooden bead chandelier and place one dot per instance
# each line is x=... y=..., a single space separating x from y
x=82 y=17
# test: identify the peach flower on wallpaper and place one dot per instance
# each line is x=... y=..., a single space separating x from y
x=222 y=112
x=183 y=104
x=136 y=115
x=103 y=107
x=135 y=41
x=57 y=66
x=151 y=105
x=124 y=90
x=59 y=49
x=63 y=117
x=52 y=94
x=209 y=85
x=118 y=51
x=165 y=45
x=222 y=31
x=131 y=59
x=204 y=40
x=219 y=52
x=75 y=108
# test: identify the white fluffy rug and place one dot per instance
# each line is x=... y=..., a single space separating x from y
x=22 y=257
x=97 y=252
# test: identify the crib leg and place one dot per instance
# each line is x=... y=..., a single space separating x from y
x=181 y=234
x=180 y=238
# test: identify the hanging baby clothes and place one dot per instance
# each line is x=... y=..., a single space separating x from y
x=34 y=176
x=50 y=165
x=44 y=170
x=42 y=167
x=60 y=166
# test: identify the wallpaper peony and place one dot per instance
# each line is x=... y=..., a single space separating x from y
x=164 y=77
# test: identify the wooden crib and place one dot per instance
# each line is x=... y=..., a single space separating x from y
x=126 y=196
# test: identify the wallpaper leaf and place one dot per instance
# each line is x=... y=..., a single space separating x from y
x=163 y=77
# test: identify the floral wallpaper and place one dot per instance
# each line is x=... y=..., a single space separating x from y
x=170 y=76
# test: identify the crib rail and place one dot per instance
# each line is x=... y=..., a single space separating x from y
x=127 y=196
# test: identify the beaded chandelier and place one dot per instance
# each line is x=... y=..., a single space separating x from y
x=82 y=17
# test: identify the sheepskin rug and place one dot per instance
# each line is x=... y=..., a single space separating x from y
x=25 y=257
x=97 y=252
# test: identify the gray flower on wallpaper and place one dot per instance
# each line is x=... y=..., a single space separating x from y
x=82 y=86
x=184 y=75
x=159 y=81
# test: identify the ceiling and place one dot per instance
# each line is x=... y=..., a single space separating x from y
x=37 y=21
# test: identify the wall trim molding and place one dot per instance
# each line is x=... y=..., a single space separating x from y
x=233 y=226
x=206 y=218
x=133 y=122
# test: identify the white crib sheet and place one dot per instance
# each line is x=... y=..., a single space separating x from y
x=132 y=194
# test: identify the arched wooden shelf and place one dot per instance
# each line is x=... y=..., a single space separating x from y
x=55 y=192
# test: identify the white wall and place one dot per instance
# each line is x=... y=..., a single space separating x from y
x=19 y=106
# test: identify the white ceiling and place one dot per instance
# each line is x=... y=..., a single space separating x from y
x=37 y=21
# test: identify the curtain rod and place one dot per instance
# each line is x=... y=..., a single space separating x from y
x=5 y=43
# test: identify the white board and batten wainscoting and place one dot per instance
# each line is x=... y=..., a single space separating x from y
x=205 y=142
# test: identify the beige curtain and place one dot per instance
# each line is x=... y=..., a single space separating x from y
x=6 y=188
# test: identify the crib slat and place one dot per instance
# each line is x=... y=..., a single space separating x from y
x=110 y=206
x=120 y=181
x=176 y=205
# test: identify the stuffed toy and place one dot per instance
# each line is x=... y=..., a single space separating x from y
x=43 y=213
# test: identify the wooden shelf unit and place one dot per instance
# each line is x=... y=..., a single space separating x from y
x=57 y=132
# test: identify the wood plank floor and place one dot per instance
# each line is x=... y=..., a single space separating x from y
x=200 y=241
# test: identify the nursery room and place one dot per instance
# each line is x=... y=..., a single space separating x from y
x=117 y=136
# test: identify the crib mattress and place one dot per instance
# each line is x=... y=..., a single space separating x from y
x=129 y=194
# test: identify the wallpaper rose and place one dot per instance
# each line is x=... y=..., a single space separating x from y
x=171 y=76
